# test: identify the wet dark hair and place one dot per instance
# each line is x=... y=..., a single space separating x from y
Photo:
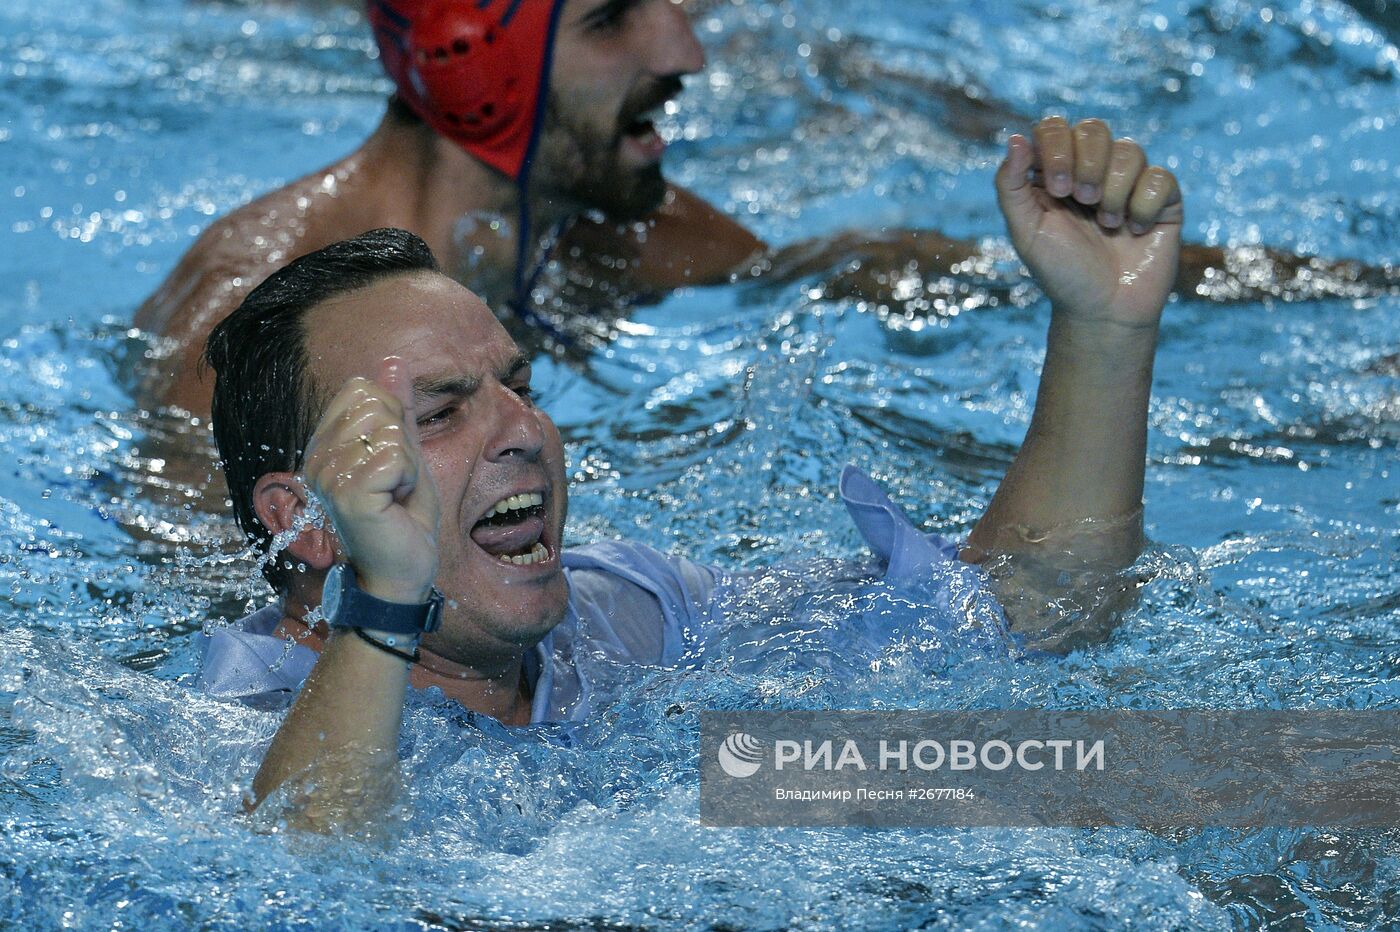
x=265 y=404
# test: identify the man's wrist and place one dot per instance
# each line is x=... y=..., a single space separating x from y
x=1105 y=327
x=379 y=605
x=1100 y=343
x=404 y=593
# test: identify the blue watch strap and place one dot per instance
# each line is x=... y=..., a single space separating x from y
x=346 y=605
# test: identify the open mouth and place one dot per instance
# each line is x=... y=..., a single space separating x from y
x=638 y=123
x=512 y=530
x=641 y=132
x=640 y=126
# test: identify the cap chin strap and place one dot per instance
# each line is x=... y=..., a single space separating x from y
x=521 y=302
x=477 y=72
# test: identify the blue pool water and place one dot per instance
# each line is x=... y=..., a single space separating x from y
x=715 y=423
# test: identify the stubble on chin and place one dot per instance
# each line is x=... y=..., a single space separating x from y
x=488 y=637
x=581 y=164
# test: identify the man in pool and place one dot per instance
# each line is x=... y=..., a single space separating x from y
x=442 y=564
x=521 y=131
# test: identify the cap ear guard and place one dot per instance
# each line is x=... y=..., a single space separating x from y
x=473 y=70
x=463 y=66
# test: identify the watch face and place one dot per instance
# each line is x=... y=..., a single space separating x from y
x=330 y=593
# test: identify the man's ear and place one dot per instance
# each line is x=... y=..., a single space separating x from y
x=279 y=500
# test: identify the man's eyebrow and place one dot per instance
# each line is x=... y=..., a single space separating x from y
x=456 y=386
x=512 y=369
x=429 y=388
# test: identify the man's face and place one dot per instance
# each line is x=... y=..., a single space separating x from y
x=487 y=445
x=616 y=62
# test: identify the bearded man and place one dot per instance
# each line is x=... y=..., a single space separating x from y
x=521 y=131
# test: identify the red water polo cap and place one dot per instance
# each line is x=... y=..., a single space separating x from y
x=473 y=70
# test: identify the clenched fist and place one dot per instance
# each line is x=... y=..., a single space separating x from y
x=1098 y=227
x=365 y=465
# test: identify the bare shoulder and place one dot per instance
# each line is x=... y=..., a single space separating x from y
x=231 y=258
x=237 y=252
x=691 y=242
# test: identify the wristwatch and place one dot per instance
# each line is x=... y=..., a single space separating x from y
x=345 y=605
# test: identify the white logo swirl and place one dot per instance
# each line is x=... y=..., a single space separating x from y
x=741 y=755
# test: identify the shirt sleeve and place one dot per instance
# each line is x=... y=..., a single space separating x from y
x=638 y=604
x=905 y=550
x=925 y=566
x=244 y=661
x=918 y=588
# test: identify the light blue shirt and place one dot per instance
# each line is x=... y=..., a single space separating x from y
x=628 y=604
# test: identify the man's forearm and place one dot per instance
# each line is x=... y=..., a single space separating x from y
x=1075 y=489
x=901 y=268
x=365 y=466
x=339 y=741
x=1250 y=273
x=870 y=266
x=1100 y=229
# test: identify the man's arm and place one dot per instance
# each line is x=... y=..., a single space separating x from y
x=339 y=741
x=1252 y=273
x=1072 y=499
x=879 y=268
x=690 y=242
